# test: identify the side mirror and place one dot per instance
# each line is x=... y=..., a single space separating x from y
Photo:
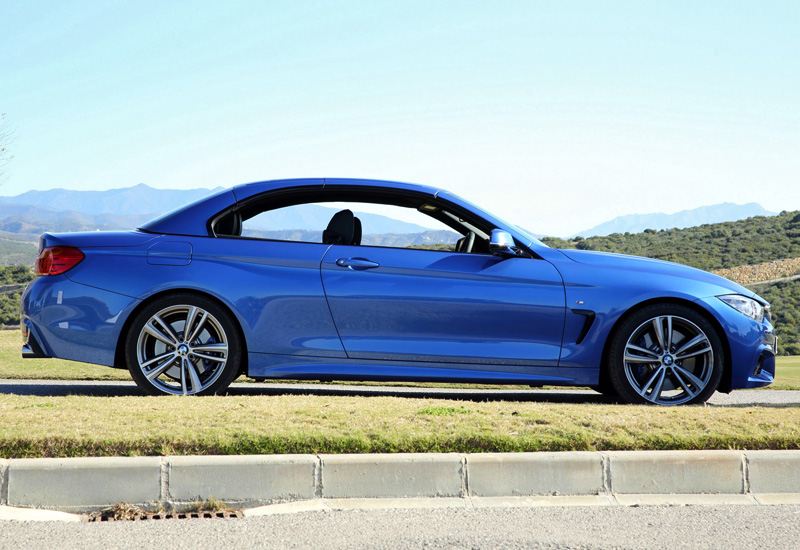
x=502 y=243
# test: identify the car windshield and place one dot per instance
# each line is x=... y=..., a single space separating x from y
x=475 y=208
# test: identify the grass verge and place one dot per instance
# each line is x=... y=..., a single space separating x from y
x=787 y=373
x=133 y=426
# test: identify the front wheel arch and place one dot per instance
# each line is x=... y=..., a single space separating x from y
x=725 y=382
x=119 y=352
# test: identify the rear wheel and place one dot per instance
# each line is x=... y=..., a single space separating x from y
x=665 y=354
x=183 y=344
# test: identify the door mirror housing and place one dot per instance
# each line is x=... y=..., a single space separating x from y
x=502 y=243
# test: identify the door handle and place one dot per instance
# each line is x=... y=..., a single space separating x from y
x=356 y=263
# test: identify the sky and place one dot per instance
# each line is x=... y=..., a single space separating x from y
x=555 y=115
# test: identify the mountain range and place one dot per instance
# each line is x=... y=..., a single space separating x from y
x=139 y=199
x=718 y=213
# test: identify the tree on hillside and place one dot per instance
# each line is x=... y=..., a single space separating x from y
x=6 y=137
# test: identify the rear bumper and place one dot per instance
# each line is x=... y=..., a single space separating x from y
x=31 y=349
x=68 y=320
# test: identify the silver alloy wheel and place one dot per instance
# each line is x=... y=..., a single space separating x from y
x=182 y=350
x=668 y=360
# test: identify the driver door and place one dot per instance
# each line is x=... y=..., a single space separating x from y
x=435 y=306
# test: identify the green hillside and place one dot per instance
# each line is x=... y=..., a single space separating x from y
x=12 y=281
x=710 y=246
x=14 y=252
x=784 y=298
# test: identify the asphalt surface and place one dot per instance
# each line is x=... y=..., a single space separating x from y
x=55 y=388
x=587 y=528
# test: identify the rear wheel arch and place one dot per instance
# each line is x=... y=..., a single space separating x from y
x=119 y=352
x=725 y=382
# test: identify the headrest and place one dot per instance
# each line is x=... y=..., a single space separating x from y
x=340 y=228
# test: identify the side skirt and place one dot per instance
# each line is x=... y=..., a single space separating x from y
x=295 y=367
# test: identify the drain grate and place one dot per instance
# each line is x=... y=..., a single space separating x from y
x=144 y=516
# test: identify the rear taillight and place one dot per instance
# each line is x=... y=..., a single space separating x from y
x=55 y=260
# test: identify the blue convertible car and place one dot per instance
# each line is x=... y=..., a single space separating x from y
x=197 y=297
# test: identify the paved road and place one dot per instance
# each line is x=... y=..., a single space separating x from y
x=595 y=528
x=110 y=389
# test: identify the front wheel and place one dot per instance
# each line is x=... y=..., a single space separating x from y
x=183 y=344
x=665 y=354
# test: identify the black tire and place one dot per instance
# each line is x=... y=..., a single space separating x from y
x=679 y=363
x=605 y=389
x=166 y=358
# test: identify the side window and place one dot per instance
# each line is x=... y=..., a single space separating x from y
x=300 y=222
x=380 y=225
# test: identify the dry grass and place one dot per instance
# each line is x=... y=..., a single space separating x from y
x=119 y=426
x=124 y=511
x=749 y=274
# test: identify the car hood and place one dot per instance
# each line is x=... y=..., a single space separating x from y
x=660 y=267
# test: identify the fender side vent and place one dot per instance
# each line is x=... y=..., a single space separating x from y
x=587 y=323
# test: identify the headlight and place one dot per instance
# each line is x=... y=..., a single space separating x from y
x=744 y=305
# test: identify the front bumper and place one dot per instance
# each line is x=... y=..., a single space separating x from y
x=752 y=346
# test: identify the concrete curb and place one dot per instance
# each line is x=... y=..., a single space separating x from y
x=620 y=477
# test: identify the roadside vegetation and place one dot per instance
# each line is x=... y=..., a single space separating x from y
x=784 y=299
x=12 y=282
x=16 y=252
x=131 y=426
x=709 y=246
